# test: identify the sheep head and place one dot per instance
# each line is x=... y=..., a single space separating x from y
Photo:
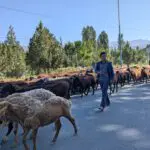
x=5 y=109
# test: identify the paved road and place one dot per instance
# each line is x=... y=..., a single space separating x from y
x=125 y=126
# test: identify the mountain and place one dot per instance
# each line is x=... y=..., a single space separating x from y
x=140 y=43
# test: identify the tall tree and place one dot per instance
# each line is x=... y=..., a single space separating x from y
x=127 y=53
x=14 y=55
x=69 y=49
x=11 y=37
x=122 y=42
x=70 y=52
x=88 y=34
x=3 y=58
x=88 y=47
x=44 y=50
x=77 y=45
x=38 y=48
x=103 y=41
x=87 y=53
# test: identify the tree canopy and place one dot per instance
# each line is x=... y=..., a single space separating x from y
x=46 y=53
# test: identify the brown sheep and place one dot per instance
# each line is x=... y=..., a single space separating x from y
x=37 y=94
x=21 y=100
x=44 y=114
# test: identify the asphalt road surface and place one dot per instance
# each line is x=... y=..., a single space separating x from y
x=124 y=126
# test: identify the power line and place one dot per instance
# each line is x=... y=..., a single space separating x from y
x=22 y=11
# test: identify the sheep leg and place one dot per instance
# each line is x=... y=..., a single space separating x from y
x=34 y=135
x=93 y=87
x=57 y=126
x=82 y=91
x=16 y=137
x=86 y=91
x=116 y=87
x=72 y=120
x=26 y=131
x=10 y=128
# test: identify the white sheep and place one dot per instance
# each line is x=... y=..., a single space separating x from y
x=50 y=111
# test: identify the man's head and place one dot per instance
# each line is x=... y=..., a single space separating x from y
x=103 y=56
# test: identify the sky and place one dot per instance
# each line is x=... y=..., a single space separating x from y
x=66 y=18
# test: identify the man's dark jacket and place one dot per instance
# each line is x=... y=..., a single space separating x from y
x=109 y=69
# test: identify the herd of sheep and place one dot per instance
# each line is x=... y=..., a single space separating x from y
x=44 y=102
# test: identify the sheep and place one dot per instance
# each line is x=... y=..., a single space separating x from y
x=40 y=94
x=30 y=119
x=21 y=100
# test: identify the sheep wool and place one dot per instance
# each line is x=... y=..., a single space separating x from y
x=39 y=94
x=32 y=104
x=59 y=100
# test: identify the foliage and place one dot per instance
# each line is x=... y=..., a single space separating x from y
x=12 y=58
x=44 y=50
x=102 y=41
x=88 y=34
x=47 y=54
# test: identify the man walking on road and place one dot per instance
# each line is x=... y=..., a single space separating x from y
x=105 y=74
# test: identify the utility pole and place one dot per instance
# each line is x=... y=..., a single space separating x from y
x=120 y=47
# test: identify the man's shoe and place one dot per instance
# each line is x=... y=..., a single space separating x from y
x=106 y=108
x=101 y=109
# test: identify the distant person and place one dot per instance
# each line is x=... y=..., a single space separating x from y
x=105 y=74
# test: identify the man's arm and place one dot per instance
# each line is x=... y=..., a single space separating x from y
x=97 y=68
x=111 y=71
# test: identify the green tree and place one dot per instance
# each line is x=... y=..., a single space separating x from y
x=127 y=54
x=11 y=37
x=38 y=49
x=3 y=58
x=69 y=49
x=122 y=42
x=88 y=48
x=72 y=51
x=88 y=34
x=140 y=56
x=12 y=56
x=44 y=50
x=78 y=45
x=56 y=54
x=102 y=41
x=86 y=53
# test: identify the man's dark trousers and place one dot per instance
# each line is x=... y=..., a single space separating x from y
x=104 y=87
